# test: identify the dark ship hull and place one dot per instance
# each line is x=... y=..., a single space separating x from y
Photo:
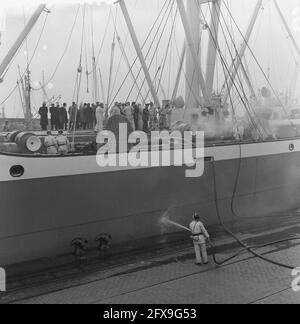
x=61 y=198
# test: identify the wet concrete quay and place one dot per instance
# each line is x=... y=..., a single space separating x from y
x=165 y=273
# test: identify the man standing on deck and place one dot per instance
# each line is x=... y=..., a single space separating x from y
x=100 y=116
x=73 y=115
x=199 y=237
x=43 y=112
x=54 y=117
x=89 y=116
x=82 y=116
x=146 y=115
x=63 y=117
x=136 y=113
x=153 y=117
x=128 y=112
x=115 y=110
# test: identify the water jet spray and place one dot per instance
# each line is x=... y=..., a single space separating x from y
x=166 y=221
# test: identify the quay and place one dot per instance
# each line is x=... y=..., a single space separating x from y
x=166 y=273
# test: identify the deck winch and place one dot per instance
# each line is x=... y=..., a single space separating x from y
x=28 y=142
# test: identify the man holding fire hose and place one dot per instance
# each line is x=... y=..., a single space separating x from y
x=199 y=237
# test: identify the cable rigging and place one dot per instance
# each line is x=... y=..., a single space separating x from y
x=166 y=3
x=63 y=54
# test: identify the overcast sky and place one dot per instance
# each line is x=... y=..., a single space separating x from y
x=269 y=42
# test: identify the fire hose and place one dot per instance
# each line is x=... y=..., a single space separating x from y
x=244 y=246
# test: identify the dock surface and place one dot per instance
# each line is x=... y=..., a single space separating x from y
x=168 y=275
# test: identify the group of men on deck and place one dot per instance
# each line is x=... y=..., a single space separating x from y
x=63 y=118
x=144 y=118
x=92 y=116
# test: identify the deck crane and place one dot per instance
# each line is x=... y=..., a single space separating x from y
x=12 y=53
x=20 y=40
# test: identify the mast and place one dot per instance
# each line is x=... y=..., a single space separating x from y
x=95 y=80
x=192 y=47
x=139 y=52
x=247 y=77
x=27 y=95
x=179 y=72
x=94 y=63
x=102 y=86
x=27 y=29
x=238 y=60
x=192 y=91
x=213 y=44
x=43 y=88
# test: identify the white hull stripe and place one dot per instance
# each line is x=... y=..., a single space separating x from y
x=47 y=167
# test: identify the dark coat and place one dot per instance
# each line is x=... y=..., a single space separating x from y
x=73 y=113
x=63 y=115
x=89 y=114
x=43 y=112
x=54 y=113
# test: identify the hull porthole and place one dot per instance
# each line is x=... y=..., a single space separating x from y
x=292 y=147
x=17 y=171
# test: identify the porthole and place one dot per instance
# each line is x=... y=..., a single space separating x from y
x=17 y=171
x=292 y=147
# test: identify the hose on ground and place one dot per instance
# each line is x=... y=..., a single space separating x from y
x=244 y=246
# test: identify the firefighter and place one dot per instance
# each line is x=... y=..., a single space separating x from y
x=50 y=144
x=63 y=143
x=199 y=237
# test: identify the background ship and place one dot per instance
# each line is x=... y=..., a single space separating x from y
x=47 y=201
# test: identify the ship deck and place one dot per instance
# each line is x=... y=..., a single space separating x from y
x=165 y=273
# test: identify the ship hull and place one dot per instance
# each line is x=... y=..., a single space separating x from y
x=41 y=215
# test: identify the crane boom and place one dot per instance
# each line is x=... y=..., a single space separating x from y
x=18 y=43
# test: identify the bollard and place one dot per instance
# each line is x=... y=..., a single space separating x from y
x=80 y=248
x=103 y=241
